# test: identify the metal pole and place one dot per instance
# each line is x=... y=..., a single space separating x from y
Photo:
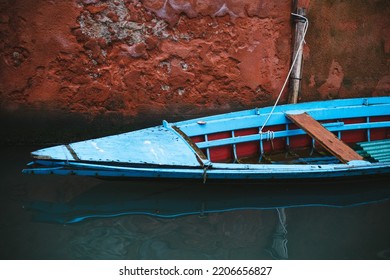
x=296 y=74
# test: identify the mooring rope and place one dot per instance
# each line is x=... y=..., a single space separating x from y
x=291 y=68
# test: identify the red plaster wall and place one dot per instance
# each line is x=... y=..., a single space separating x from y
x=183 y=58
x=348 y=49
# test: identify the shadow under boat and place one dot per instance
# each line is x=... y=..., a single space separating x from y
x=171 y=200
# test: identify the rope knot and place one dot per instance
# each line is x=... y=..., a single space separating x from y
x=269 y=135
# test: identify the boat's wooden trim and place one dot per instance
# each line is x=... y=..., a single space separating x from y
x=324 y=137
x=190 y=142
x=72 y=152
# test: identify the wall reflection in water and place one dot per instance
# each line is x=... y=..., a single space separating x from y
x=83 y=218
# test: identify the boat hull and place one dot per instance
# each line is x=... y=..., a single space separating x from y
x=216 y=148
x=219 y=171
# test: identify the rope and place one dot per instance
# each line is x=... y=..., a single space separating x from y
x=291 y=68
x=270 y=135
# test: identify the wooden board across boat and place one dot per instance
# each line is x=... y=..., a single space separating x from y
x=324 y=137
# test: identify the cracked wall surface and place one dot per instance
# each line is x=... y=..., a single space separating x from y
x=118 y=62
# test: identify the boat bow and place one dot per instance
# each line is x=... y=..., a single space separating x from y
x=156 y=146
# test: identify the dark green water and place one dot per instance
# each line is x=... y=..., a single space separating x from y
x=53 y=217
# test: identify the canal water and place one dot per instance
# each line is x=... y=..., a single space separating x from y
x=54 y=217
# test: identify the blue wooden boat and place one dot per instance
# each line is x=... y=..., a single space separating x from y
x=315 y=140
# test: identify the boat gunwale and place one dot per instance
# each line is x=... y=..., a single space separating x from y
x=312 y=105
x=236 y=123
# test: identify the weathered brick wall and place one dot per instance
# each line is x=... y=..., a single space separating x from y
x=116 y=63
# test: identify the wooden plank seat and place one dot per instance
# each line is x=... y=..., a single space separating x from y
x=324 y=137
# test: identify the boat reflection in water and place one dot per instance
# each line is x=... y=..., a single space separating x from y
x=278 y=248
x=171 y=200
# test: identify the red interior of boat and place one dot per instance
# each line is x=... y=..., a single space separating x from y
x=229 y=153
